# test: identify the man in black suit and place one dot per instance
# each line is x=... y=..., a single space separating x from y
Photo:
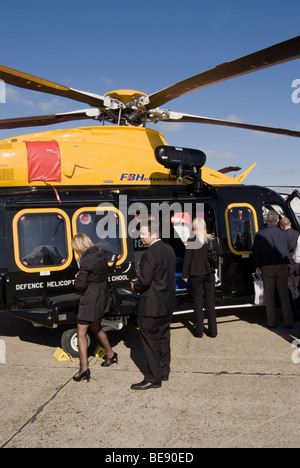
x=156 y=285
x=271 y=255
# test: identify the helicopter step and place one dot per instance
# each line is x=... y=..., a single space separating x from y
x=114 y=323
x=61 y=310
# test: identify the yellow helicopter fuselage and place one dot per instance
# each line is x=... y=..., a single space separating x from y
x=91 y=156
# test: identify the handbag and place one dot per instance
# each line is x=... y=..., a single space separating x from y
x=259 y=291
x=115 y=298
x=213 y=257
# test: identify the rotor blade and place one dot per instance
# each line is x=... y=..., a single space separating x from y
x=23 y=80
x=226 y=170
x=42 y=120
x=274 y=55
x=186 y=118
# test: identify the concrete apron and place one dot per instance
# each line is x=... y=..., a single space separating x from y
x=237 y=390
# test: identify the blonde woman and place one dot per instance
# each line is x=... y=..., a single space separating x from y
x=198 y=264
x=91 y=281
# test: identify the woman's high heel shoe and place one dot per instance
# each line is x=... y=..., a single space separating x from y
x=109 y=361
x=82 y=376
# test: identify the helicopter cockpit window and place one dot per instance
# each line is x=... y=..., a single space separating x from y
x=242 y=225
x=273 y=206
x=42 y=240
x=106 y=228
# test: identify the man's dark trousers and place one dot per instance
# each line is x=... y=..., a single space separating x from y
x=155 y=337
x=276 y=277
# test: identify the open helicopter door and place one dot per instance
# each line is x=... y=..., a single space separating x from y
x=293 y=203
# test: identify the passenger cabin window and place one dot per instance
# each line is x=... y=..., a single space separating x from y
x=241 y=225
x=42 y=240
x=106 y=229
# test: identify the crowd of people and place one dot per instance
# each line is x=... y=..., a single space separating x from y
x=274 y=249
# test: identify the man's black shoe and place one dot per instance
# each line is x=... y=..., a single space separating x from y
x=145 y=385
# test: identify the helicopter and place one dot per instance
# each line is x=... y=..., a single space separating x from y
x=103 y=180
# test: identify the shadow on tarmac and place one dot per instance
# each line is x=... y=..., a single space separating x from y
x=254 y=315
x=14 y=327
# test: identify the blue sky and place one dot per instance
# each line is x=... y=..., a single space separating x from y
x=99 y=46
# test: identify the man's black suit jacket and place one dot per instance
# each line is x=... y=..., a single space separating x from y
x=157 y=282
x=271 y=246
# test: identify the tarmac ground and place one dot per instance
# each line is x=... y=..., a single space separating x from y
x=237 y=390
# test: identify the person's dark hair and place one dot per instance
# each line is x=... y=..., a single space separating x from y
x=152 y=226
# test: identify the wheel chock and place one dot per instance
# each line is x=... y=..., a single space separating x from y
x=60 y=355
x=99 y=352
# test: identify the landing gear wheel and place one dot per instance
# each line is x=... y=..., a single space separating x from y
x=69 y=343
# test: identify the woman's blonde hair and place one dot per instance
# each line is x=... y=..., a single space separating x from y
x=81 y=243
x=199 y=226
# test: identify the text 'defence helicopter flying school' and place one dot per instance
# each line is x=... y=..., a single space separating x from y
x=101 y=180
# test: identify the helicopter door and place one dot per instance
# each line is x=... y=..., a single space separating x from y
x=241 y=226
x=293 y=203
x=182 y=230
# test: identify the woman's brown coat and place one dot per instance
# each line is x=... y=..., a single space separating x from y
x=91 y=281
